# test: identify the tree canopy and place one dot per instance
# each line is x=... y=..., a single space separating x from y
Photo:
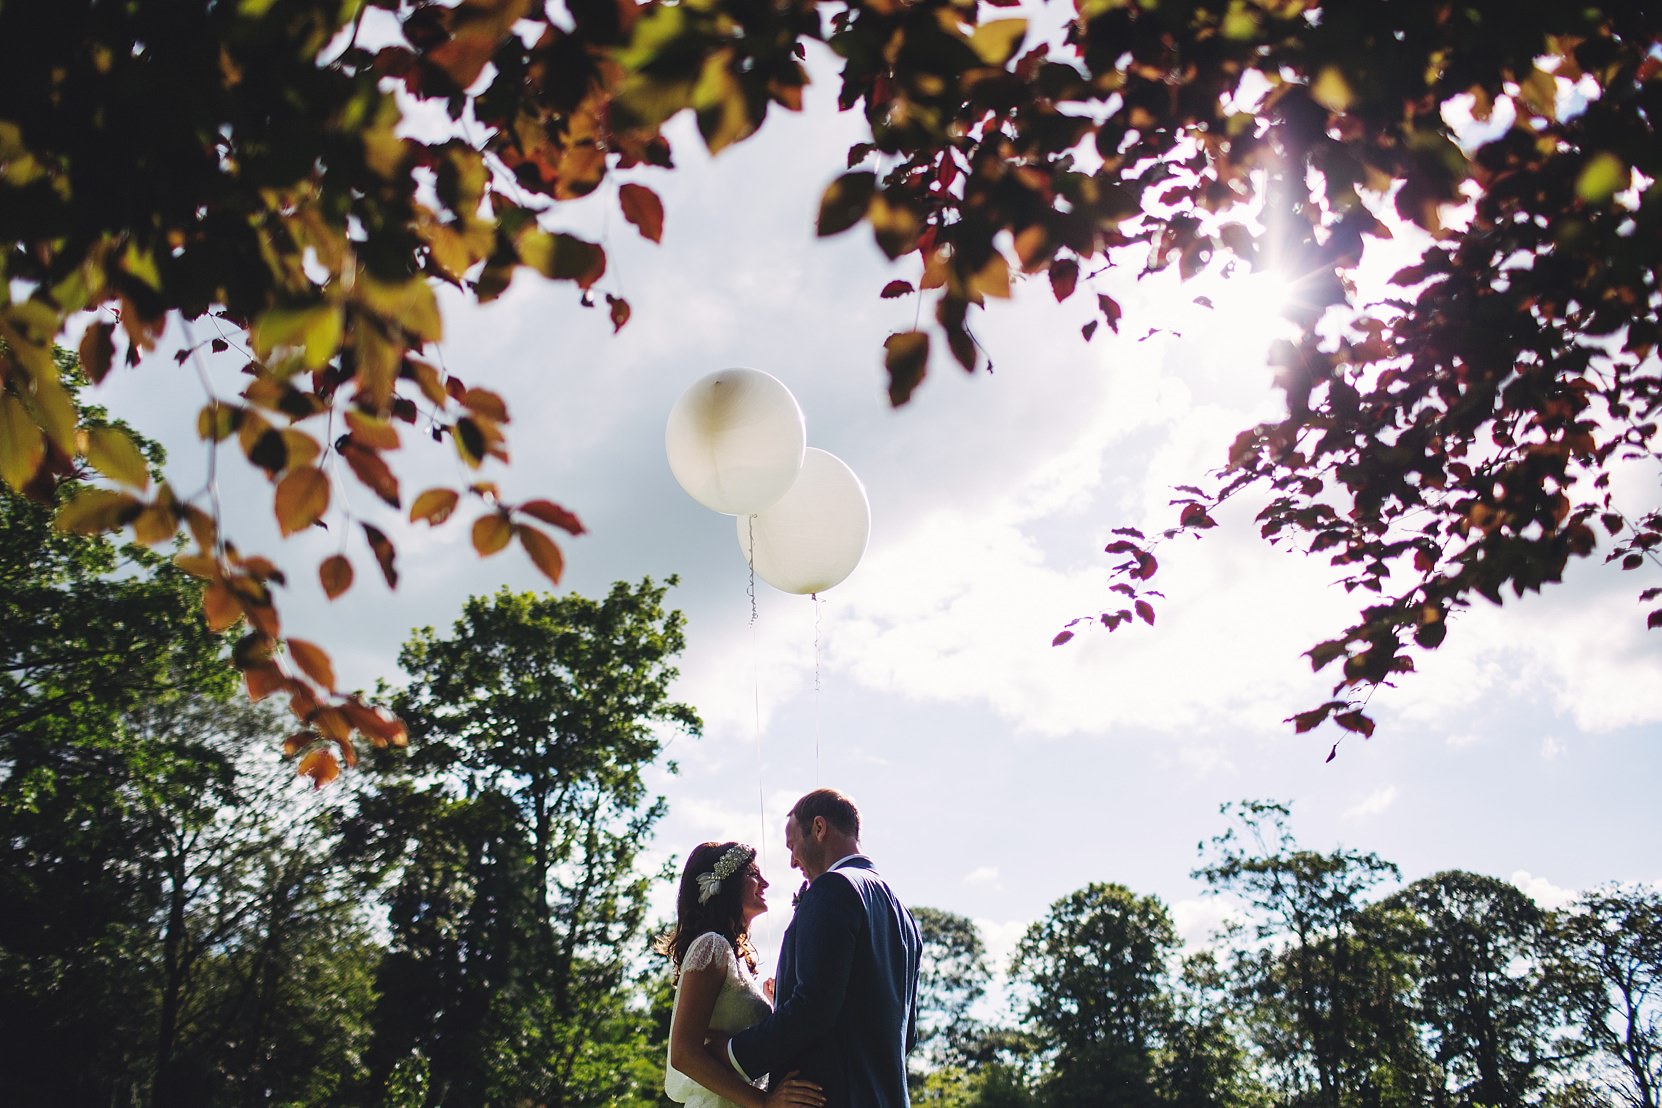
x=244 y=170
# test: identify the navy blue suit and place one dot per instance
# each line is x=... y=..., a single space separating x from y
x=847 y=987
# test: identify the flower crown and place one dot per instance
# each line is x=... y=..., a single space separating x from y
x=709 y=882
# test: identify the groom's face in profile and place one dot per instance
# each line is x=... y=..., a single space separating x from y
x=807 y=854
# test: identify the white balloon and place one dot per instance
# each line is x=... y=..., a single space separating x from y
x=816 y=533
x=735 y=440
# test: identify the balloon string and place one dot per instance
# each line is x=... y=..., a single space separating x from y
x=750 y=557
x=816 y=689
x=756 y=706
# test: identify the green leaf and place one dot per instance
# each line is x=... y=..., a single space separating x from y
x=22 y=446
x=997 y=42
x=112 y=453
x=1602 y=178
x=95 y=510
x=315 y=330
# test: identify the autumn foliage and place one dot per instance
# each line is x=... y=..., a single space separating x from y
x=245 y=168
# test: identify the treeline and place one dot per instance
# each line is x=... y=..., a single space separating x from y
x=1330 y=989
x=458 y=923
x=463 y=922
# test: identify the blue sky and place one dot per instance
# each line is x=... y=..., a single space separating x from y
x=996 y=773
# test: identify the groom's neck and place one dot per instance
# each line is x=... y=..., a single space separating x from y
x=837 y=848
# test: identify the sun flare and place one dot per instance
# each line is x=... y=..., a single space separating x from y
x=1247 y=311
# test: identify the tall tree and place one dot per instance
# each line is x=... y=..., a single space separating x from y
x=1095 y=968
x=953 y=977
x=1204 y=1061
x=1447 y=438
x=1324 y=987
x=512 y=846
x=1481 y=992
x=1610 y=951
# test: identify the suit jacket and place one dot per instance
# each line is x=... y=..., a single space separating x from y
x=848 y=986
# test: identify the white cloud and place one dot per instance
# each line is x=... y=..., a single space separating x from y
x=1542 y=891
x=1207 y=759
x=1001 y=939
x=985 y=876
x=1373 y=804
x=1551 y=748
x=1199 y=919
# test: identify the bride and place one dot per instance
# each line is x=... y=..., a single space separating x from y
x=721 y=892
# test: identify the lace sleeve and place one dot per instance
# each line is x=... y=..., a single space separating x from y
x=709 y=949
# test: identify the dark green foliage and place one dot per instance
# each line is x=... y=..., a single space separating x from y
x=507 y=838
x=1096 y=966
x=1325 y=993
x=953 y=977
x=1482 y=993
x=1608 y=955
x=181 y=928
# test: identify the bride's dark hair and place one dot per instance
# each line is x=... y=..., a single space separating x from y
x=723 y=913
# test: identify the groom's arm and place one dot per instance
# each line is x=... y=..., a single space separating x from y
x=828 y=922
x=916 y=965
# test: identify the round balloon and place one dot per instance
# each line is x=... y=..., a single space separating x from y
x=815 y=534
x=735 y=440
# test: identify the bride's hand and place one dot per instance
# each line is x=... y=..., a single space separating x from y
x=767 y=989
x=795 y=1090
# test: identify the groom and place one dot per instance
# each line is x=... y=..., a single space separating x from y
x=847 y=984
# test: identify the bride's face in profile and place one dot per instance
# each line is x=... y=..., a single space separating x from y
x=753 y=886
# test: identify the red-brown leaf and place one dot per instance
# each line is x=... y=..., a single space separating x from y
x=384 y=554
x=372 y=431
x=98 y=350
x=486 y=403
x=313 y=661
x=895 y=289
x=380 y=726
x=219 y=606
x=302 y=498
x=544 y=552
x=906 y=357
x=434 y=506
x=321 y=766
x=1194 y=515
x=1064 y=277
x=335 y=573
x=1110 y=309
x=332 y=722
x=1355 y=721
x=263 y=680
x=642 y=207
x=1309 y=721
x=299 y=741
x=553 y=515
x=372 y=471
x=491 y=533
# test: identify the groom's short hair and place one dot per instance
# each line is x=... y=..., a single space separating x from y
x=833 y=807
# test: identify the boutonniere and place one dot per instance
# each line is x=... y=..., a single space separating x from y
x=796 y=897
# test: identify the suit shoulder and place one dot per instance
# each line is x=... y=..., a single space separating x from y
x=836 y=886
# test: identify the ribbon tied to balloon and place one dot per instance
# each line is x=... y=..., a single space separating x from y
x=737 y=443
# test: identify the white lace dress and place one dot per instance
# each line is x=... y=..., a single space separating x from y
x=739 y=1004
